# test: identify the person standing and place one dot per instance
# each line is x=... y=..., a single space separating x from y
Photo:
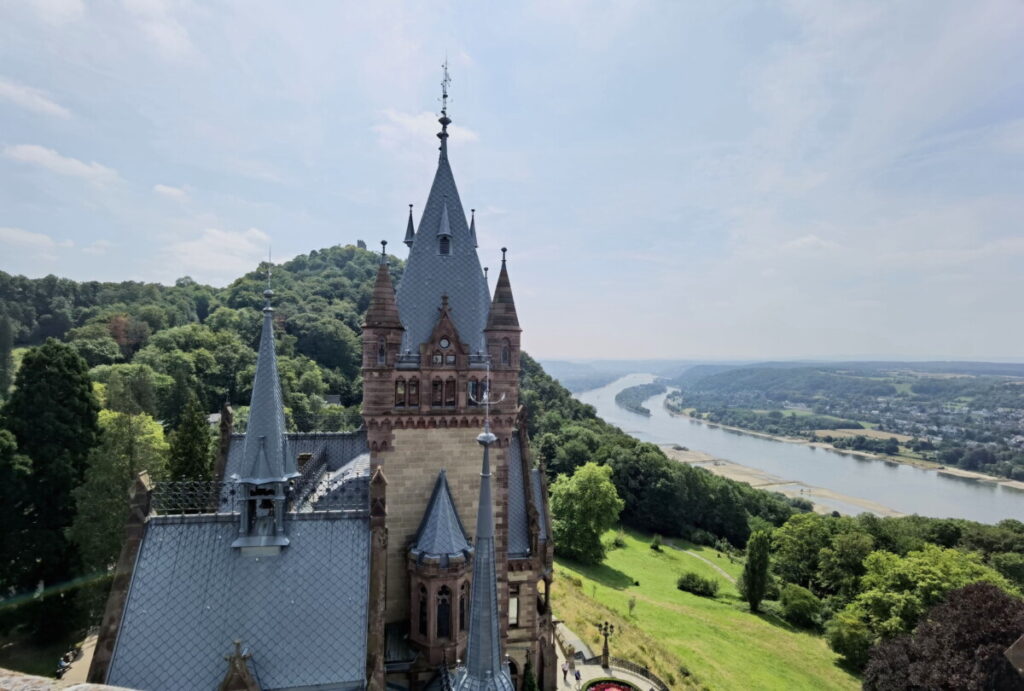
x=565 y=672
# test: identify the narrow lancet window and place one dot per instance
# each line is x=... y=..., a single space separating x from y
x=445 y=245
x=506 y=352
x=382 y=351
x=473 y=391
x=449 y=393
x=414 y=393
x=423 y=611
x=437 y=393
x=444 y=612
x=400 y=393
x=463 y=605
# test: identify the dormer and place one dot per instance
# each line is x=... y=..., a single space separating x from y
x=444 y=232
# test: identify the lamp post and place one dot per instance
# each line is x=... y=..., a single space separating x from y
x=606 y=630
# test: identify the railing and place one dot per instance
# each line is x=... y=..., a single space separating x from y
x=632 y=667
x=349 y=492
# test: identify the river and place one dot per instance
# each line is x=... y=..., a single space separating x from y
x=902 y=487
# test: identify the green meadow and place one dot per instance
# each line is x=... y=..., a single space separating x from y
x=689 y=641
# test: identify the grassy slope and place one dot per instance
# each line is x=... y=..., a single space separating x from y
x=721 y=644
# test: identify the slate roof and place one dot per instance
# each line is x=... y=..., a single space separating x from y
x=441 y=534
x=518 y=518
x=428 y=275
x=538 y=503
x=302 y=614
x=265 y=456
x=339 y=447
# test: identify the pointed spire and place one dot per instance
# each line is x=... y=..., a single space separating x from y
x=410 y=231
x=472 y=227
x=484 y=669
x=265 y=456
x=444 y=227
x=503 y=315
x=383 y=310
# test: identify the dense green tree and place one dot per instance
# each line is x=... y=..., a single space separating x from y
x=958 y=645
x=797 y=545
x=799 y=605
x=841 y=564
x=52 y=414
x=583 y=507
x=1011 y=565
x=191 y=445
x=132 y=442
x=15 y=470
x=755 y=570
x=897 y=591
x=6 y=355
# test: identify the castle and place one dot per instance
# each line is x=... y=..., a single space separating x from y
x=343 y=560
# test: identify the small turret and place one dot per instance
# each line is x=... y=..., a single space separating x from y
x=472 y=227
x=503 y=332
x=410 y=230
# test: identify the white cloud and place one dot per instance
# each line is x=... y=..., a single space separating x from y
x=97 y=248
x=30 y=98
x=165 y=33
x=217 y=256
x=31 y=241
x=62 y=165
x=177 y=193
x=399 y=131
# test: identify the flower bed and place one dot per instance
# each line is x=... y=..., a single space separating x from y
x=609 y=685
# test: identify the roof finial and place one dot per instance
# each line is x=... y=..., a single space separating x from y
x=383 y=251
x=503 y=251
x=444 y=119
x=485 y=273
x=269 y=292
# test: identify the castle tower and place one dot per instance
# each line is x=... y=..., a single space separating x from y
x=432 y=350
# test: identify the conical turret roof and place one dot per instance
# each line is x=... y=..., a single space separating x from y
x=382 y=312
x=441 y=534
x=265 y=456
x=410 y=231
x=428 y=274
x=503 y=315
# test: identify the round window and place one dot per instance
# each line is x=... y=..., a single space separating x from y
x=445 y=343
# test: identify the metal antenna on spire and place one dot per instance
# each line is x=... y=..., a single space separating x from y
x=445 y=81
x=485 y=400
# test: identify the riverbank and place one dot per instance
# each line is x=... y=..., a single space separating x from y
x=916 y=462
x=825 y=500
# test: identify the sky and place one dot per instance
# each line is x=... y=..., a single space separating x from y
x=724 y=180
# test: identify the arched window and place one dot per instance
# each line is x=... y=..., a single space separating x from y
x=414 y=393
x=445 y=245
x=423 y=611
x=506 y=352
x=449 y=392
x=382 y=351
x=473 y=392
x=437 y=358
x=437 y=393
x=513 y=671
x=444 y=612
x=400 y=393
x=463 y=606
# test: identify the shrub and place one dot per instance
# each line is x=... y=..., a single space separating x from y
x=800 y=606
x=619 y=541
x=698 y=585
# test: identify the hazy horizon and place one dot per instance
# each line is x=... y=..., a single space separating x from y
x=732 y=181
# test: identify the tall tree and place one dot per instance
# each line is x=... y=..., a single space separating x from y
x=52 y=414
x=583 y=507
x=191 y=457
x=755 y=571
x=14 y=473
x=131 y=444
x=959 y=645
x=6 y=355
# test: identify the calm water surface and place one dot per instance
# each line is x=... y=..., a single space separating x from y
x=901 y=487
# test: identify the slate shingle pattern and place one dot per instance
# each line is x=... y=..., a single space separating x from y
x=429 y=275
x=538 y=503
x=265 y=455
x=302 y=613
x=339 y=447
x=441 y=534
x=518 y=518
